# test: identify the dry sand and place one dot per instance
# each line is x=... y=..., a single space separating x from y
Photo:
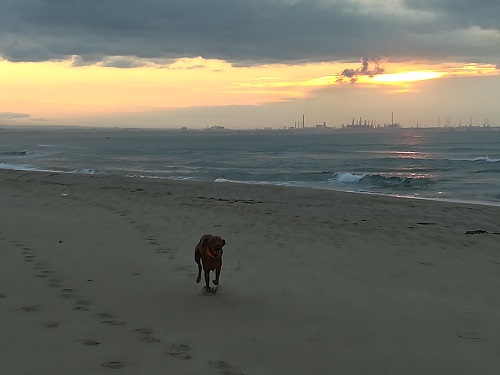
x=97 y=276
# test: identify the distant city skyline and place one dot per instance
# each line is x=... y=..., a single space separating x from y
x=249 y=64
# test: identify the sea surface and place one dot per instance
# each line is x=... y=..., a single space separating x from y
x=454 y=165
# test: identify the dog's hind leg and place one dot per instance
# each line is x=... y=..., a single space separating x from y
x=197 y=259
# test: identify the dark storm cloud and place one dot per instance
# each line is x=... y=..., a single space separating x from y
x=241 y=31
x=484 y=14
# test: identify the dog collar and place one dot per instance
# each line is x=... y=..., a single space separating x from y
x=212 y=255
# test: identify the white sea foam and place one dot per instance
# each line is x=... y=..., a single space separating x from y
x=17 y=167
x=486 y=158
x=479 y=159
x=174 y=178
x=346 y=178
x=86 y=171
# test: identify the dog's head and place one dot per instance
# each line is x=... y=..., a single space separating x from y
x=215 y=244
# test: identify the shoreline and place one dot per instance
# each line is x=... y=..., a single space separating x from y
x=97 y=275
x=283 y=185
x=431 y=179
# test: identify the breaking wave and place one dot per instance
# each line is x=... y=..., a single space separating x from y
x=379 y=181
x=480 y=159
x=17 y=153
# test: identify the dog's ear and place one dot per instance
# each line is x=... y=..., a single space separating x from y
x=223 y=242
x=204 y=241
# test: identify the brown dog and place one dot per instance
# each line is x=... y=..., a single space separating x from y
x=209 y=252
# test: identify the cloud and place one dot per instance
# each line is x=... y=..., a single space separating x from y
x=13 y=115
x=365 y=70
x=16 y=118
x=483 y=13
x=246 y=32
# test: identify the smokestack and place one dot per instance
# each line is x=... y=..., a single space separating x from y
x=303 y=121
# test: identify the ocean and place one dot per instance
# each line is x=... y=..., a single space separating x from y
x=445 y=164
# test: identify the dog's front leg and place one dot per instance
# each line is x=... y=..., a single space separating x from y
x=207 y=281
x=217 y=274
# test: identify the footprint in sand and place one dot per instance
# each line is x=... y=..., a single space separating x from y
x=163 y=251
x=52 y=324
x=114 y=323
x=146 y=335
x=104 y=315
x=2 y=296
x=81 y=308
x=150 y=340
x=144 y=331
x=167 y=251
x=209 y=293
x=469 y=336
x=142 y=228
x=180 y=351
x=55 y=283
x=114 y=365
x=68 y=293
x=88 y=342
x=31 y=308
x=224 y=367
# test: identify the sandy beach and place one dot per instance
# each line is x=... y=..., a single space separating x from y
x=97 y=276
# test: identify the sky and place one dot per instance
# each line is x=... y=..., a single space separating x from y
x=249 y=63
